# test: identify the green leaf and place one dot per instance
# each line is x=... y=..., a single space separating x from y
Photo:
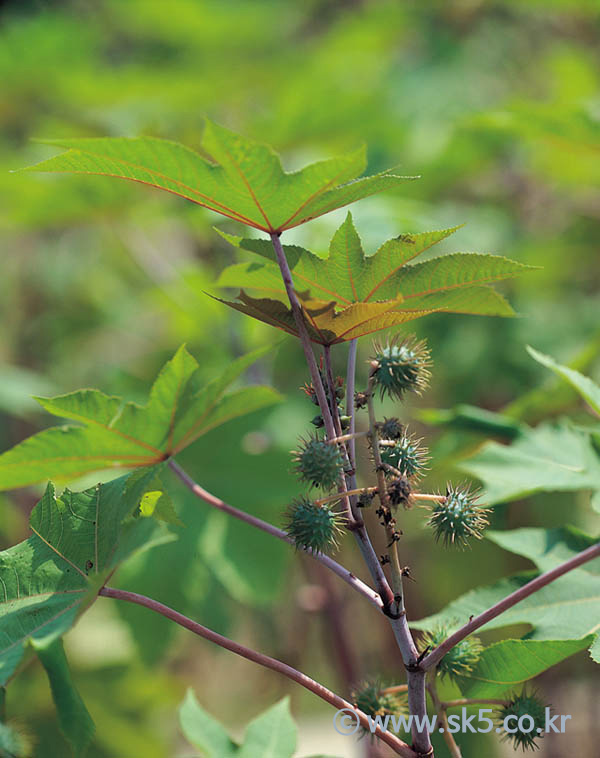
x=588 y=389
x=243 y=179
x=74 y=718
x=547 y=548
x=203 y=731
x=472 y=418
x=272 y=734
x=49 y=579
x=549 y=458
x=367 y=293
x=115 y=434
x=155 y=501
x=566 y=609
x=506 y=665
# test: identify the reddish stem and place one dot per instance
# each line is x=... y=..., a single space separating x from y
x=503 y=605
x=399 y=747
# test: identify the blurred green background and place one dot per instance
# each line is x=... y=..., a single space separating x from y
x=495 y=104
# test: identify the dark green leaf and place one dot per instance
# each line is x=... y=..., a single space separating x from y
x=504 y=666
x=566 y=609
x=73 y=717
x=547 y=548
x=78 y=540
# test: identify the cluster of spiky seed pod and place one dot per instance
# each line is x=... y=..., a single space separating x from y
x=401 y=366
x=374 y=700
x=459 y=660
x=319 y=463
x=403 y=453
x=313 y=527
x=528 y=722
x=334 y=403
x=458 y=517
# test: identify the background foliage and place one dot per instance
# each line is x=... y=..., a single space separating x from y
x=496 y=105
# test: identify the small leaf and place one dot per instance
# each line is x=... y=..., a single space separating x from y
x=588 y=389
x=203 y=731
x=115 y=434
x=73 y=717
x=244 y=180
x=271 y=735
x=505 y=665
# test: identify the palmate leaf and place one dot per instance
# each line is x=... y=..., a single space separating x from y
x=547 y=548
x=74 y=718
x=116 y=434
x=504 y=666
x=242 y=179
x=78 y=540
x=549 y=458
x=566 y=609
x=48 y=580
x=366 y=293
x=272 y=734
x=587 y=388
x=324 y=324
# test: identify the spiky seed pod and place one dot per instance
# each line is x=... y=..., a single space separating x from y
x=338 y=389
x=407 y=455
x=390 y=429
x=525 y=704
x=319 y=463
x=312 y=527
x=458 y=517
x=372 y=699
x=401 y=366
x=399 y=491
x=459 y=660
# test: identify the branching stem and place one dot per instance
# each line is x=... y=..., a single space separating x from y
x=350 y=409
x=338 y=496
x=356 y=584
x=397 y=745
x=503 y=605
x=348 y=437
x=442 y=718
x=303 y=334
x=385 y=503
x=416 y=681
